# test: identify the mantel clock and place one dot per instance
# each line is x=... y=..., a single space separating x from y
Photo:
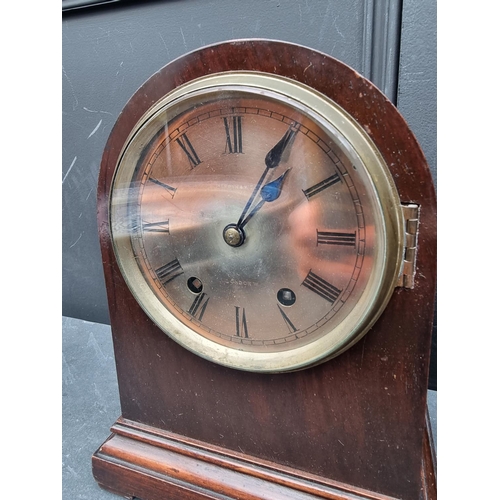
x=267 y=225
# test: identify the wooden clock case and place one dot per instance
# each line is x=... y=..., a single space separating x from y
x=354 y=427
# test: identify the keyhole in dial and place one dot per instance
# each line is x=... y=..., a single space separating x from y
x=286 y=297
x=195 y=285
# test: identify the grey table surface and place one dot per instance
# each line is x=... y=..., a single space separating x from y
x=90 y=404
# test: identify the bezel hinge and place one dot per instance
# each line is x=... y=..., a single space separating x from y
x=411 y=217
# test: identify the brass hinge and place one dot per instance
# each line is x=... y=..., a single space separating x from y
x=411 y=216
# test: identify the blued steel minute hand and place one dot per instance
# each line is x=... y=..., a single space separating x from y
x=273 y=159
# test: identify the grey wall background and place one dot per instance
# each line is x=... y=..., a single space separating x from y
x=109 y=51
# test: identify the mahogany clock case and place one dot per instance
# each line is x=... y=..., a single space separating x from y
x=355 y=425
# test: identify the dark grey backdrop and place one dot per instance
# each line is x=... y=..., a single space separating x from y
x=109 y=51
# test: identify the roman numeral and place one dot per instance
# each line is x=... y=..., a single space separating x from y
x=321 y=287
x=199 y=306
x=241 y=323
x=234 y=143
x=333 y=238
x=156 y=227
x=187 y=147
x=171 y=190
x=133 y=222
x=169 y=271
x=289 y=324
x=317 y=188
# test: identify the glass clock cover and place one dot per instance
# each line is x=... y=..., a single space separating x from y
x=255 y=222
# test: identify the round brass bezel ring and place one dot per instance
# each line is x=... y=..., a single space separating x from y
x=390 y=230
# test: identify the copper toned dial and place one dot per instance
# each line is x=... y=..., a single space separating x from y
x=255 y=222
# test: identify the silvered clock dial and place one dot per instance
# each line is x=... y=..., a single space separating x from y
x=256 y=222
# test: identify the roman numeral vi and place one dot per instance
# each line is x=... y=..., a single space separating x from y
x=241 y=323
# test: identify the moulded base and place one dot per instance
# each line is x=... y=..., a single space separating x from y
x=138 y=461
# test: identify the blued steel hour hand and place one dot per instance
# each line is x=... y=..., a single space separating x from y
x=273 y=159
x=270 y=192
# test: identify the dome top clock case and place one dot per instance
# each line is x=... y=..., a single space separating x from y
x=267 y=226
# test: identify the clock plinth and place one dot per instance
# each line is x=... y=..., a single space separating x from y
x=353 y=427
x=138 y=461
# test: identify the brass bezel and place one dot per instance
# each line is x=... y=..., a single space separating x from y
x=391 y=235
